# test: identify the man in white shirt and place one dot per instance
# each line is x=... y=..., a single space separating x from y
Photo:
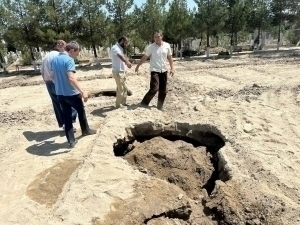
x=59 y=46
x=160 y=53
x=118 y=70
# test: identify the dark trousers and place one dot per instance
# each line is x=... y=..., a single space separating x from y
x=158 y=83
x=56 y=106
x=75 y=101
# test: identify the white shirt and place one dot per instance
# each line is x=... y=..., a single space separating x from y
x=117 y=64
x=158 y=56
x=46 y=65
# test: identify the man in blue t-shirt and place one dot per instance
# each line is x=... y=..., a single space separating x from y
x=59 y=46
x=69 y=92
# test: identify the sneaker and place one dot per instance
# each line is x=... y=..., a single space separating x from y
x=72 y=145
x=90 y=132
x=121 y=106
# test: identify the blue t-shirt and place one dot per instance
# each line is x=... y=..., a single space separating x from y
x=60 y=65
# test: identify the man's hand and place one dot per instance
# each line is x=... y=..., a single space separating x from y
x=172 y=72
x=84 y=95
x=137 y=69
x=128 y=64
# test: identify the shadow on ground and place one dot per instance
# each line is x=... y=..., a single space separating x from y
x=48 y=148
x=102 y=111
x=42 y=135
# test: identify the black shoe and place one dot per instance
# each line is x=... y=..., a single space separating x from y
x=129 y=92
x=72 y=145
x=143 y=105
x=90 y=132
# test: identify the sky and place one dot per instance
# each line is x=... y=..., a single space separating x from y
x=191 y=3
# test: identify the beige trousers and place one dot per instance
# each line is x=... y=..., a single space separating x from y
x=120 y=78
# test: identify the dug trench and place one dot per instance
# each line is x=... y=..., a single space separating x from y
x=180 y=176
x=186 y=180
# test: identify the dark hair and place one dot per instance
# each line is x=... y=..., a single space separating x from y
x=158 y=32
x=72 y=45
x=123 y=38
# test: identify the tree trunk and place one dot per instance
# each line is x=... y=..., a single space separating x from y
x=94 y=50
x=278 y=42
x=207 y=38
x=231 y=43
x=91 y=34
x=258 y=36
x=31 y=52
x=235 y=38
x=207 y=42
x=1 y=58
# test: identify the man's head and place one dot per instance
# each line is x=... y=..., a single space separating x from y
x=60 y=45
x=158 y=36
x=73 y=49
x=123 y=41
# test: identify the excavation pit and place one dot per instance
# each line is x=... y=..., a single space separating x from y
x=188 y=180
x=175 y=155
x=106 y=93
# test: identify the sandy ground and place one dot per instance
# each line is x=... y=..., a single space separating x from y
x=250 y=102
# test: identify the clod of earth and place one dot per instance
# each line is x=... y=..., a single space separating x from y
x=177 y=162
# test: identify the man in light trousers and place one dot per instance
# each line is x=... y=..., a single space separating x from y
x=118 y=70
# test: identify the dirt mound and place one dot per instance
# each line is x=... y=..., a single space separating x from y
x=156 y=202
x=177 y=162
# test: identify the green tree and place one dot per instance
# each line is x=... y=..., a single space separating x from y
x=118 y=10
x=23 y=20
x=58 y=21
x=284 y=16
x=92 y=23
x=148 y=18
x=259 y=16
x=236 y=19
x=212 y=14
x=179 y=21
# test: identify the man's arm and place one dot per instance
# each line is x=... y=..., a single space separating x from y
x=74 y=82
x=51 y=71
x=73 y=79
x=142 y=60
x=170 y=59
x=123 y=59
x=42 y=70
